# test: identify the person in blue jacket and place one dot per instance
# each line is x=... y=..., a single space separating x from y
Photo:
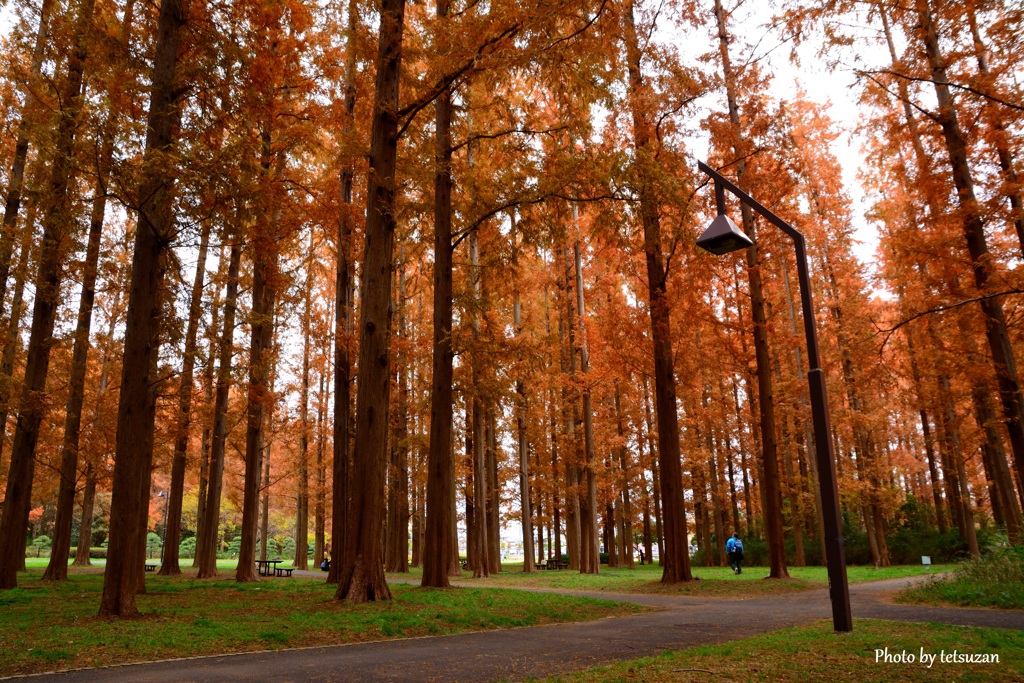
x=734 y=549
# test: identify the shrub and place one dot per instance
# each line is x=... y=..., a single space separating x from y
x=187 y=548
x=42 y=544
x=996 y=579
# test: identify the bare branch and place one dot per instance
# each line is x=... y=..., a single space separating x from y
x=959 y=86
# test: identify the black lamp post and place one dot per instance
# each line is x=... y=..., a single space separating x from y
x=722 y=237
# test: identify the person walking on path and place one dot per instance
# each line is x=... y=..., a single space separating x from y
x=734 y=549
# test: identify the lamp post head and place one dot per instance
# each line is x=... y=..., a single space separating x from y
x=723 y=236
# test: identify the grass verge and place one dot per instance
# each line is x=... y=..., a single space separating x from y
x=815 y=653
x=715 y=581
x=48 y=626
x=993 y=580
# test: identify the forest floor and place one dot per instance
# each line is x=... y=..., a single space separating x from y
x=46 y=625
x=808 y=651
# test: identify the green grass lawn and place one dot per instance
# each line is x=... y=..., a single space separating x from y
x=47 y=626
x=715 y=581
x=816 y=653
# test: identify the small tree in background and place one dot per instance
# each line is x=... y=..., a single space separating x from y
x=153 y=543
x=41 y=544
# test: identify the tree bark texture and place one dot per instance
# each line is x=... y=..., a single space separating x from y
x=362 y=573
x=440 y=458
x=341 y=475
x=137 y=402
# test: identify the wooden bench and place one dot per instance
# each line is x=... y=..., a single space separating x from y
x=150 y=567
x=283 y=571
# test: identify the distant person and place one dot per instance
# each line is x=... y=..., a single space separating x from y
x=326 y=564
x=641 y=551
x=734 y=549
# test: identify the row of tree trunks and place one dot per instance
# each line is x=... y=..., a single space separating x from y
x=169 y=564
x=58 y=238
x=1000 y=346
x=206 y=544
x=209 y=380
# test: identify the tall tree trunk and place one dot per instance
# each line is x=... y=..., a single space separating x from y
x=626 y=525
x=320 y=499
x=591 y=560
x=302 y=495
x=493 y=500
x=206 y=545
x=676 y=558
x=85 y=527
x=208 y=390
x=89 y=494
x=58 y=232
x=137 y=402
x=481 y=565
x=396 y=556
x=341 y=476
x=265 y=276
x=362 y=573
x=520 y=410
x=440 y=459
x=655 y=479
x=570 y=418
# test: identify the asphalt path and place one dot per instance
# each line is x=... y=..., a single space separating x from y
x=514 y=654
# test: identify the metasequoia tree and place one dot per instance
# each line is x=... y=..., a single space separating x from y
x=642 y=99
x=57 y=567
x=361 y=578
x=769 y=455
x=137 y=402
x=58 y=232
x=206 y=543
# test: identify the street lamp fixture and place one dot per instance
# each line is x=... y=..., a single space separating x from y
x=724 y=236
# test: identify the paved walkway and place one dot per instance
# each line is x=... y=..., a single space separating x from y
x=680 y=622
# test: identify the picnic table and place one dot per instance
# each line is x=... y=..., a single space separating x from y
x=267 y=567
